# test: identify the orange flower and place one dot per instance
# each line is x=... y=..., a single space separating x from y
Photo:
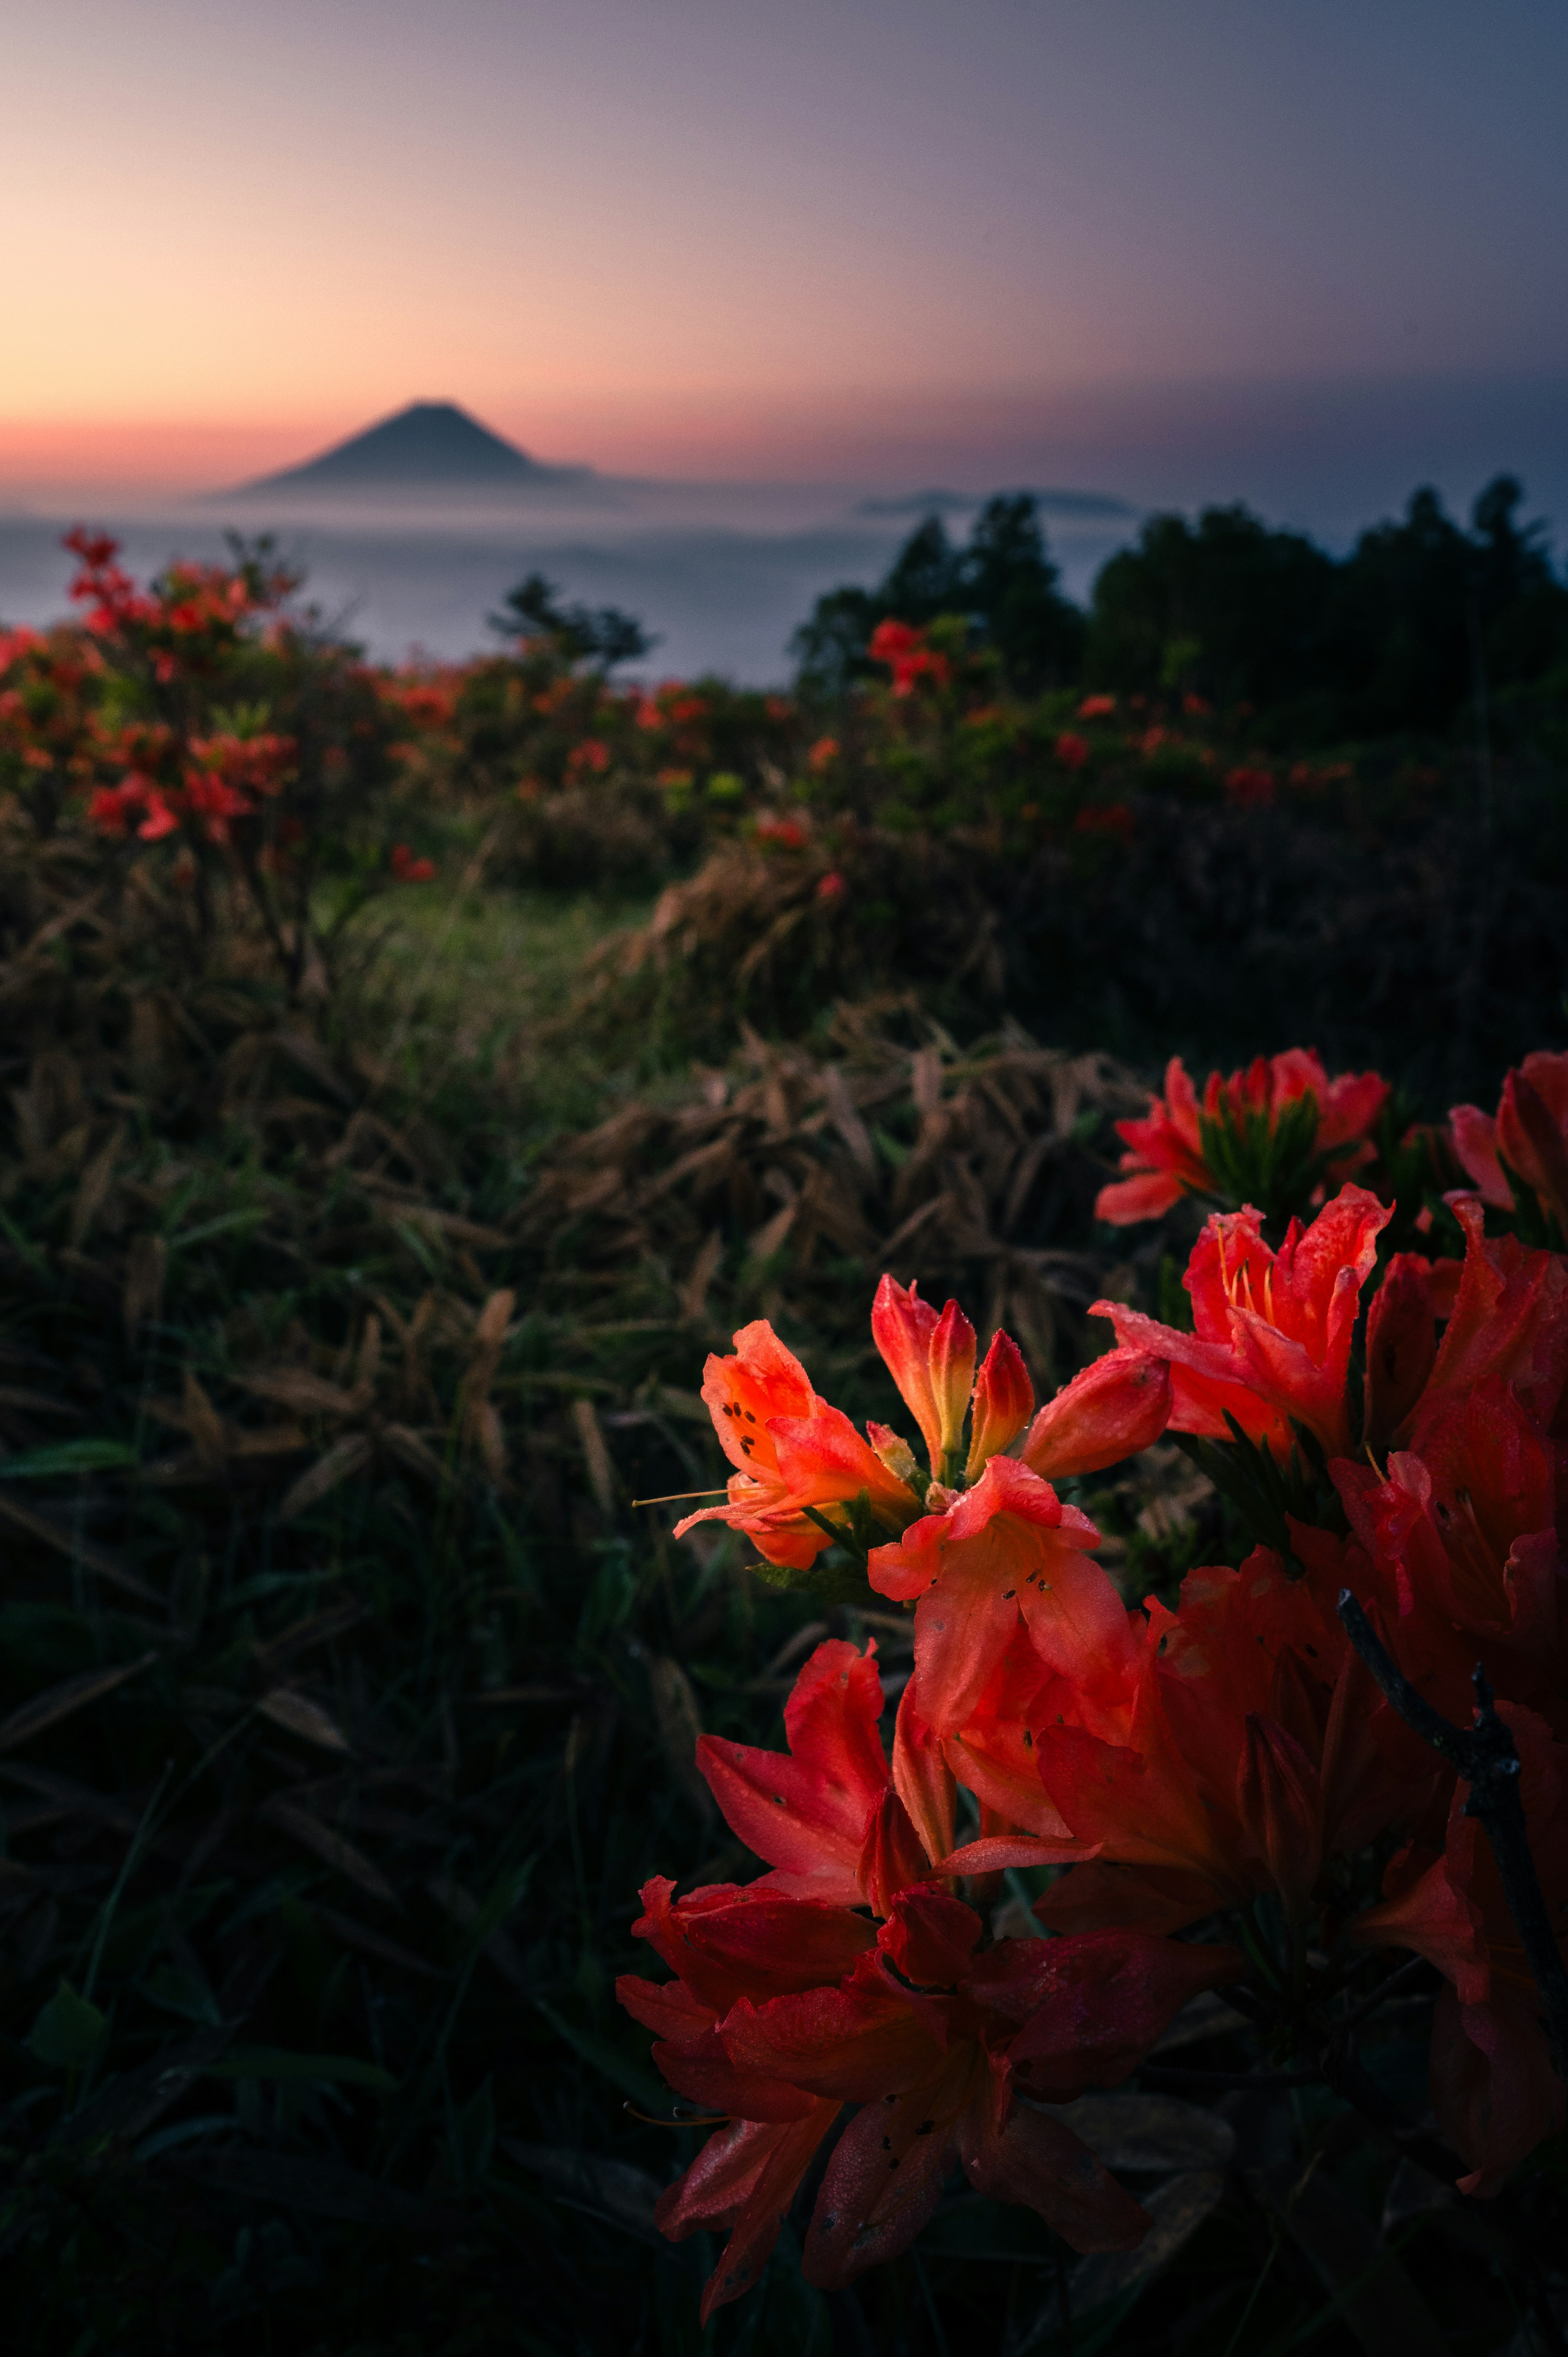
x=792 y=1452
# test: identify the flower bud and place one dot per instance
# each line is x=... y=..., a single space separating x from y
x=895 y=1454
x=952 y=1378
x=1401 y=1346
x=1530 y=1135
x=929 y=1937
x=1004 y=1398
x=902 y=1326
x=1116 y=1406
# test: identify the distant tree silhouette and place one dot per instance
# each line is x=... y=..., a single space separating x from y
x=1004 y=584
x=603 y=633
x=1009 y=585
x=1225 y=607
x=1398 y=636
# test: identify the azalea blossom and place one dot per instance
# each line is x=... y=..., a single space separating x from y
x=795 y=1455
x=907 y=655
x=1272 y=1331
x=789 y=2001
x=1173 y=1764
x=1173 y=1149
x=1528 y=1134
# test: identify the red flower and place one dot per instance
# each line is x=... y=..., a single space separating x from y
x=1528 y=1135
x=831 y=887
x=1097 y=707
x=1508 y=1317
x=809 y=1814
x=1197 y=1758
x=1250 y=789
x=1073 y=751
x=1005 y=1549
x=590 y=757
x=428 y=703
x=1273 y=1330
x=407 y=868
x=822 y=756
x=788 y=832
x=160 y=818
x=1171 y=1146
x=934 y=2042
x=904 y=649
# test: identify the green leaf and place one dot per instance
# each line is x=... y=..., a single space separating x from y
x=69 y=1456
x=229 y=1223
x=182 y=1992
x=277 y=2062
x=69 y=2032
x=650 y=2093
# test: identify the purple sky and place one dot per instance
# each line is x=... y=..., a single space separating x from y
x=1173 y=249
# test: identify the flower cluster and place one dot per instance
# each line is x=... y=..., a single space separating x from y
x=201 y=784
x=186 y=621
x=1222 y=1793
x=1278 y=1126
x=908 y=656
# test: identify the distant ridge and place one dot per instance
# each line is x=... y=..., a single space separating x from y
x=429 y=446
x=1086 y=504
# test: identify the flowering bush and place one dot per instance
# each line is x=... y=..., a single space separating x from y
x=213 y=741
x=1240 y=1791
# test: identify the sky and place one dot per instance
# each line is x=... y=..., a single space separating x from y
x=1305 y=253
x=840 y=240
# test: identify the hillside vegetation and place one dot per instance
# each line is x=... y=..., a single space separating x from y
x=409 y=1080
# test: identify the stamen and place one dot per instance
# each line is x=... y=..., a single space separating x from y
x=679 y=1497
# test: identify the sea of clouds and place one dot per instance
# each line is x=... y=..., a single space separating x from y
x=721 y=574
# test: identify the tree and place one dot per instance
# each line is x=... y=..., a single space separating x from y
x=1008 y=586
x=604 y=634
x=1225 y=608
x=1003 y=584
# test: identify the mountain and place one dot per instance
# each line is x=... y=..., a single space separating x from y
x=429 y=446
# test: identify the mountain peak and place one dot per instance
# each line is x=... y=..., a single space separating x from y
x=431 y=444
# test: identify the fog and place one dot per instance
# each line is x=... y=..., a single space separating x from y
x=723 y=573
x=721 y=576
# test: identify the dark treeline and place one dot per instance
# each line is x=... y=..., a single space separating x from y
x=1401 y=635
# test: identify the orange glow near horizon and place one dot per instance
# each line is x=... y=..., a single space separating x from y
x=712 y=240
x=864 y=435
